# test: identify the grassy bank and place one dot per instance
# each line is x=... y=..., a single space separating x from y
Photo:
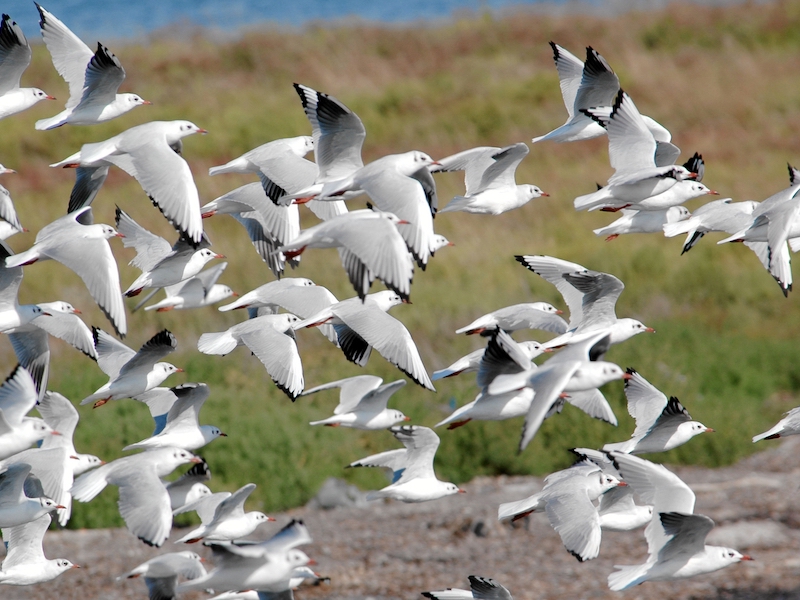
x=724 y=81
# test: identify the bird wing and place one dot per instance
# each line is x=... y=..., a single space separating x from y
x=10 y=278
x=500 y=174
x=600 y=294
x=688 y=533
x=111 y=353
x=631 y=146
x=645 y=402
x=15 y=54
x=233 y=506
x=376 y=400
x=70 y=55
x=32 y=349
x=150 y=248
x=388 y=336
x=570 y=72
x=17 y=395
x=12 y=482
x=104 y=74
x=553 y=270
x=144 y=503
x=278 y=353
x=205 y=506
x=548 y=381
x=337 y=131
x=352 y=390
x=599 y=84
x=503 y=356
x=58 y=412
x=575 y=519
x=185 y=412
x=421 y=444
x=25 y=542
x=473 y=162
x=484 y=588
x=152 y=351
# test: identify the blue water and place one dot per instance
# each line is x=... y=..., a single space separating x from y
x=105 y=20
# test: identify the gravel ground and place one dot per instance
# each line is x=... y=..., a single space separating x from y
x=392 y=550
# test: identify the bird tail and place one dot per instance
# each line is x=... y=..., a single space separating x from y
x=625 y=446
x=217 y=343
x=23 y=258
x=512 y=510
x=237 y=165
x=627 y=576
x=588 y=201
x=673 y=229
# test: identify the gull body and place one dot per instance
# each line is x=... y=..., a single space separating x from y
x=15 y=56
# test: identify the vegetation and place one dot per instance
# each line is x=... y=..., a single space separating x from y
x=723 y=80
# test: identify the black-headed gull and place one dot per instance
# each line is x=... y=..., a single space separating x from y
x=472 y=361
x=25 y=563
x=69 y=240
x=161 y=264
x=362 y=326
x=268 y=226
x=587 y=85
x=393 y=185
x=643 y=221
x=531 y=315
x=413 y=478
x=189 y=487
x=632 y=151
x=568 y=499
x=146 y=153
x=252 y=160
x=93 y=77
x=267 y=566
x=481 y=588
x=489 y=178
x=661 y=424
x=195 y=292
x=161 y=572
x=131 y=373
x=297 y=295
x=183 y=429
x=17 y=398
x=362 y=403
x=31 y=344
x=788 y=425
x=718 y=215
x=143 y=499
x=15 y=56
x=229 y=521
x=370 y=246
x=675 y=536
x=271 y=338
x=16 y=508
x=591 y=297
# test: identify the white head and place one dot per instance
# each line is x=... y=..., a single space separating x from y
x=218 y=293
x=297 y=558
x=180 y=129
x=28 y=312
x=726 y=556
x=259 y=517
x=206 y=254
x=81 y=463
x=62 y=564
x=34 y=429
x=533 y=349
x=693 y=428
x=545 y=307
x=385 y=299
x=607 y=482
x=627 y=328
x=210 y=433
x=595 y=374
x=301 y=145
x=439 y=241
x=48 y=504
x=396 y=416
x=531 y=191
x=411 y=162
x=452 y=488
x=162 y=370
x=131 y=100
x=58 y=306
x=677 y=213
x=36 y=95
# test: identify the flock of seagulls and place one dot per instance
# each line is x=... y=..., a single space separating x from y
x=610 y=488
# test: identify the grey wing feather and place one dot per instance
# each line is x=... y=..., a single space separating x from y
x=484 y=588
x=15 y=54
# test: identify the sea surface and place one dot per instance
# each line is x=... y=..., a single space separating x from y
x=103 y=20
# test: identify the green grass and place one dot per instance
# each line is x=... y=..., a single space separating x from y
x=723 y=81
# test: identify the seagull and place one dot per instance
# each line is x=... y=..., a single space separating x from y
x=229 y=521
x=272 y=339
x=145 y=152
x=682 y=191
x=568 y=499
x=131 y=373
x=93 y=78
x=195 y=292
x=362 y=403
x=15 y=56
x=481 y=588
x=391 y=182
x=788 y=425
x=16 y=507
x=12 y=313
x=17 y=398
x=143 y=499
x=532 y=315
x=413 y=479
x=182 y=429
x=583 y=86
x=719 y=215
x=338 y=135
x=267 y=566
x=362 y=326
x=661 y=424
x=370 y=246
x=31 y=344
x=591 y=297
x=161 y=572
x=25 y=563
x=633 y=152
x=69 y=240
x=675 y=536
x=471 y=362
x=189 y=487
x=297 y=295
x=251 y=161
x=489 y=177
x=161 y=264
x=643 y=221
x=268 y=226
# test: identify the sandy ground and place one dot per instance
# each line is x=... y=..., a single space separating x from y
x=392 y=550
